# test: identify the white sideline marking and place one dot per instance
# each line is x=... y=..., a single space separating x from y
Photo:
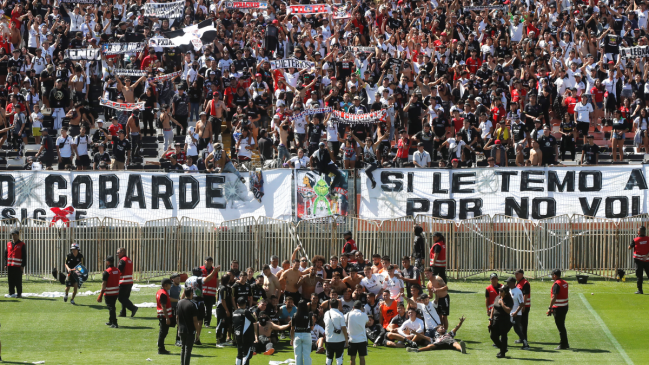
x=607 y=332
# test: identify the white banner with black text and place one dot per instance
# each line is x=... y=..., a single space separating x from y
x=165 y=10
x=140 y=197
x=532 y=193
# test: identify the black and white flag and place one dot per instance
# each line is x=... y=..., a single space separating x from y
x=161 y=42
x=129 y=72
x=634 y=52
x=290 y=62
x=355 y=49
x=480 y=8
x=90 y=54
x=121 y=48
x=165 y=10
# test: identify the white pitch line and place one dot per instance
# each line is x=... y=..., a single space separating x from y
x=607 y=332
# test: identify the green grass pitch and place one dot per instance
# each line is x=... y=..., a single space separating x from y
x=610 y=326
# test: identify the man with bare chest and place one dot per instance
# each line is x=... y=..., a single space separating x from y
x=353 y=279
x=308 y=284
x=337 y=284
x=536 y=155
x=204 y=131
x=289 y=281
x=127 y=88
x=216 y=108
x=133 y=130
x=437 y=286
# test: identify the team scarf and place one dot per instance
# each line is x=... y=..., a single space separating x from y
x=489 y=7
x=90 y=54
x=352 y=119
x=128 y=72
x=309 y=9
x=165 y=10
x=355 y=49
x=290 y=62
x=164 y=77
x=634 y=52
x=306 y=112
x=161 y=42
x=121 y=48
x=245 y=5
x=122 y=106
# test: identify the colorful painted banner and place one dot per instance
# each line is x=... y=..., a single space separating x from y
x=350 y=118
x=309 y=9
x=164 y=77
x=314 y=198
x=122 y=106
x=245 y=5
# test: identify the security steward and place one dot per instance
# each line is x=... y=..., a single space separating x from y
x=350 y=245
x=165 y=317
x=187 y=318
x=438 y=256
x=559 y=307
x=209 y=289
x=640 y=247
x=110 y=289
x=492 y=292
x=125 y=267
x=524 y=286
x=245 y=331
x=15 y=260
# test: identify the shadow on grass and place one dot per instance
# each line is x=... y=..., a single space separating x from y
x=135 y=327
x=37 y=298
x=544 y=343
x=591 y=351
x=462 y=291
x=538 y=349
x=524 y=359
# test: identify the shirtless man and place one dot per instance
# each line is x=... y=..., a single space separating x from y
x=271 y=283
x=75 y=119
x=204 y=131
x=167 y=130
x=337 y=284
x=536 y=156
x=437 y=286
x=376 y=264
x=289 y=281
x=283 y=131
x=353 y=279
x=78 y=83
x=308 y=283
x=304 y=262
x=215 y=109
x=520 y=156
x=127 y=89
x=133 y=130
x=265 y=328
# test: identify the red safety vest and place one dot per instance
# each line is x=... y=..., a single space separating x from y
x=15 y=253
x=561 y=299
x=126 y=276
x=167 y=306
x=641 y=248
x=519 y=285
x=441 y=256
x=352 y=243
x=209 y=288
x=112 y=285
x=493 y=293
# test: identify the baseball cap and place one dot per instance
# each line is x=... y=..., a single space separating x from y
x=497 y=141
x=174 y=275
x=494 y=275
x=257 y=75
x=15 y=231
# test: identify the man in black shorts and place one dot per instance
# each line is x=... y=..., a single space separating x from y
x=443 y=340
x=356 y=322
x=245 y=331
x=73 y=259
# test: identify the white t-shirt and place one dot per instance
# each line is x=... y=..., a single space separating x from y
x=190 y=168
x=66 y=151
x=583 y=111
x=430 y=314
x=317 y=332
x=422 y=158
x=394 y=285
x=373 y=284
x=82 y=144
x=299 y=163
x=485 y=127
x=333 y=319
x=356 y=321
x=414 y=326
x=275 y=270
x=332 y=132
x=191 y=146
x=453 y=143
x=518 y=297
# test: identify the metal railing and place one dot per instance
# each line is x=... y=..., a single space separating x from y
x=474 y=246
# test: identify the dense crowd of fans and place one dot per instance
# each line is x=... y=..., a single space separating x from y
x=462 y=83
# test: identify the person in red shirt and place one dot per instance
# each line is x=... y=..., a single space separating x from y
x=17 y=16
x=498 y=111
x=474 y=62
x=114 y=128
x=569 y=101
x=458 y=122
x=149 y=59
x=403 y=148
x=518 y=94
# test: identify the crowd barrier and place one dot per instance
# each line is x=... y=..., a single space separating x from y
x=474 y=246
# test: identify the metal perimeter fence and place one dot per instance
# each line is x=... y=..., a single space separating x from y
x=474 y=246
